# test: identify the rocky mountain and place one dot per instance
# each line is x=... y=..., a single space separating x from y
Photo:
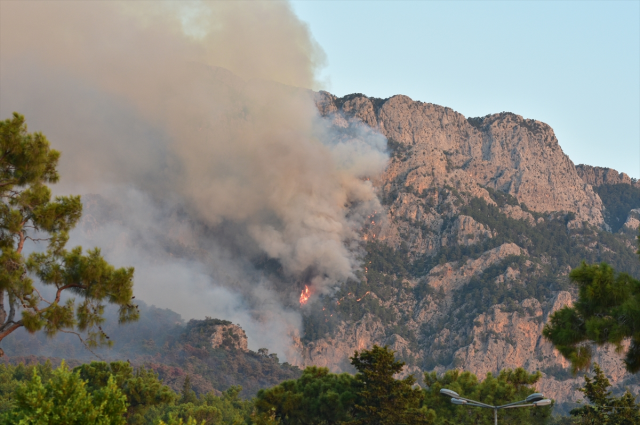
x=620 y=195
x=597 y=176
x=483 y=220
x=212 y=352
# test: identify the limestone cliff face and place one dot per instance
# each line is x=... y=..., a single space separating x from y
x=503 y=151
x=230 y=337
x=503 y=340
x=441 y=162
x=633 y=220
x=597 y=176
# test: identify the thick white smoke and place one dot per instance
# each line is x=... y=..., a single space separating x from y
x=195 y=120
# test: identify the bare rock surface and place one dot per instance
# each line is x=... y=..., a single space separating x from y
x=442 y=162
x=230 y=337
x=633 y=221
x=508 y=340
x=597 y=176
x=334 y=352
x=451 y=276
x=503 y=151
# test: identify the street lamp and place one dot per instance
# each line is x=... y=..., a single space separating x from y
x=534 y=400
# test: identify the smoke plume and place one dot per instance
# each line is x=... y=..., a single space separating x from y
x=195 y=124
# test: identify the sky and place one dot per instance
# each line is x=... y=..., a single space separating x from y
x=573 y=65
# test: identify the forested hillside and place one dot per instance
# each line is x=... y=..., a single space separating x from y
x=161 y=341
x=481 y=221
x=484 y=218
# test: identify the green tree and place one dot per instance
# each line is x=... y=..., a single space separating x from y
x=12 y=376
x=209 y=409
x=605 y=408
x=317 y=397
x=141 y=387
x=607 y=312
x=382 y=399
x=507 y=387
x=28 y=214
x=173 y=421
x=187 y=395
x=65 y=400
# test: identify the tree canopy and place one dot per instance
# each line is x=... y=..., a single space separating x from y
x=28 y=214
x=605 y=408
x=382 y=399
x=507 y=387
x=607 y=312
x=141 y=387
x=317 y=397
x=66 y=400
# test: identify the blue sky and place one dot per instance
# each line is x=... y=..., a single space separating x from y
x=574 y=65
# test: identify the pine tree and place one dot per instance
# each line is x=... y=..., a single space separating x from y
x=317 y=397
x=141 y=387
x=188 y=395
x=28 y=214
x=607 y=312
x=65 y=400
x=505 y=387
x=382 y=399
x=604 y=407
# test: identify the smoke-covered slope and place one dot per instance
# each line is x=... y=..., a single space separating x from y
x=483 y=219
x=212 y=352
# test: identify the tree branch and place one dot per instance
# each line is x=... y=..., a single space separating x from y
x=83 y=343
x=21 y=243
x=62 y=288
x=37 y=239
x=3 y=312
x=9 y=330
x=40 y=295
x=12 y=308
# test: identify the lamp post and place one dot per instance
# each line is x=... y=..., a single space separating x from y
x=534 y=400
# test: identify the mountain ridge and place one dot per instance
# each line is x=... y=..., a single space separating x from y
x=481 y=221
x=488 y=216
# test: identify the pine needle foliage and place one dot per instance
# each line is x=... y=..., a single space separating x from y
x=65 y=400
x=508 y=386
x=28 y=214
x=607 y=312
x=382 y=399
x=603 y=407
x=318 y=397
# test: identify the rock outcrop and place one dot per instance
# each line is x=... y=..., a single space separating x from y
x=230 y=337
x=451 y=276
x=442 y=166
x=633 y=220
x=508 y=340
x=441 y=147
x=597 y=176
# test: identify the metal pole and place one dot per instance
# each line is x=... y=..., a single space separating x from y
x=495 y=415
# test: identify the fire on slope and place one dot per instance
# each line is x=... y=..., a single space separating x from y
x=304 y=295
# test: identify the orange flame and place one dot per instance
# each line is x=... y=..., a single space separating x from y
x=304 y=295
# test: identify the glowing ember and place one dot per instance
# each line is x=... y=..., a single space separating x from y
x=304 y=295
x=360 y=299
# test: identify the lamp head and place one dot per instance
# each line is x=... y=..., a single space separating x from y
x=534 y=397
x=449 y=393
x=541 y=403
x=458 y=401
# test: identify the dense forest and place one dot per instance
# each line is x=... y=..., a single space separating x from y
x=119 y=393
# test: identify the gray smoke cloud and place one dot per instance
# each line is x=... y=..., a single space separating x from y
x=195 y=124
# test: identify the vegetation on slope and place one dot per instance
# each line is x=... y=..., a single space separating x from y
x=173 y=349
x=618 y=200
x=117 y=393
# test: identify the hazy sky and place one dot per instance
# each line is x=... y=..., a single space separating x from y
x=574 y=65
